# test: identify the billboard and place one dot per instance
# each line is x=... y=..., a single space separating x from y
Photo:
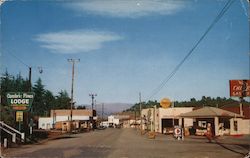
x=20 y=100
x=239 y=88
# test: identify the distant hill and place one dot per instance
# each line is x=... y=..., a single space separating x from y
x=110 y=108
x=116 y=107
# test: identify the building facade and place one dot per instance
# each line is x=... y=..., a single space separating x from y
x=163 y=120
x=59 y=119
x=222 y=122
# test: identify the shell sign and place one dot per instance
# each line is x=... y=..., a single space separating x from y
x=165 y=103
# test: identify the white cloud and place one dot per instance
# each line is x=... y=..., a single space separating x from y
x=128 y=8
x=77 y=41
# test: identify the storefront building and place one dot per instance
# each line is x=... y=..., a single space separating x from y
x=223 y=122
x=60 y=119
x=163 y=120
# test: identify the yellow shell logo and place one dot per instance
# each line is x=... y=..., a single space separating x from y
x=165 y=103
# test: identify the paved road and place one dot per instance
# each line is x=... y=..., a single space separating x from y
x=128 y=143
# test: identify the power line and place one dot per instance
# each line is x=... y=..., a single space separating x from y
x=225 y=8
x=40 y=68
x=218 y=17
x=18 y=59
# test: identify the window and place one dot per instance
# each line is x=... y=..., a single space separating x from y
x=202 y=124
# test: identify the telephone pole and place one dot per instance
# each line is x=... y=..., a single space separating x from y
x=92 y=105
x=244 y=90
x=73 y=61
x=30 y=70
x=140 y=112
x=102 y=110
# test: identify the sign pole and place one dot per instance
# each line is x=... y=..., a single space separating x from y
x=28 y=113
x=140 y=112
x=19 y=126
x=30 y=130
x=241 y=106
x=19 y=118
x=244 y=92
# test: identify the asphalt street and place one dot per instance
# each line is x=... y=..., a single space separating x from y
x=129 y=143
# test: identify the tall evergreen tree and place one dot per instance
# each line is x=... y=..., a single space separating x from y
x=50 y=101
x=63 y=100
x=39 y=106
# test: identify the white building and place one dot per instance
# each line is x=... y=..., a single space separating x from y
x=160 y=119
x=45 y=123
x=113 y=121
x=63 y=115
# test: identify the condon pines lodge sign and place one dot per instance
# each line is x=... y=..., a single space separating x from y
x=20 y=100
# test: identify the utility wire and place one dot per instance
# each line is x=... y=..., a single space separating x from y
x=40 y=68
x=18 y=59
x=218 y=17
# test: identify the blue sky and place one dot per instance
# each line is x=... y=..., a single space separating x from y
x=127 y=47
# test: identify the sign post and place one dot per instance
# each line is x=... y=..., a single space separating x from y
x=19 y=119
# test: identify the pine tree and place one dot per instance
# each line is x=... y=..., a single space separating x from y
x=39 y=106
x=62 y=100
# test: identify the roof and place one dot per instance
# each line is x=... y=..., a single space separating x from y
x=209 y=112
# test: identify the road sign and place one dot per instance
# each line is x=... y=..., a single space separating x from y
x=20 y=100
x=19 y=116
x=239 y=88
x=178 y=132
x=165 y=103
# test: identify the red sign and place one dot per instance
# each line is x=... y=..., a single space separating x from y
x=19 y=107
x=239 y=88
